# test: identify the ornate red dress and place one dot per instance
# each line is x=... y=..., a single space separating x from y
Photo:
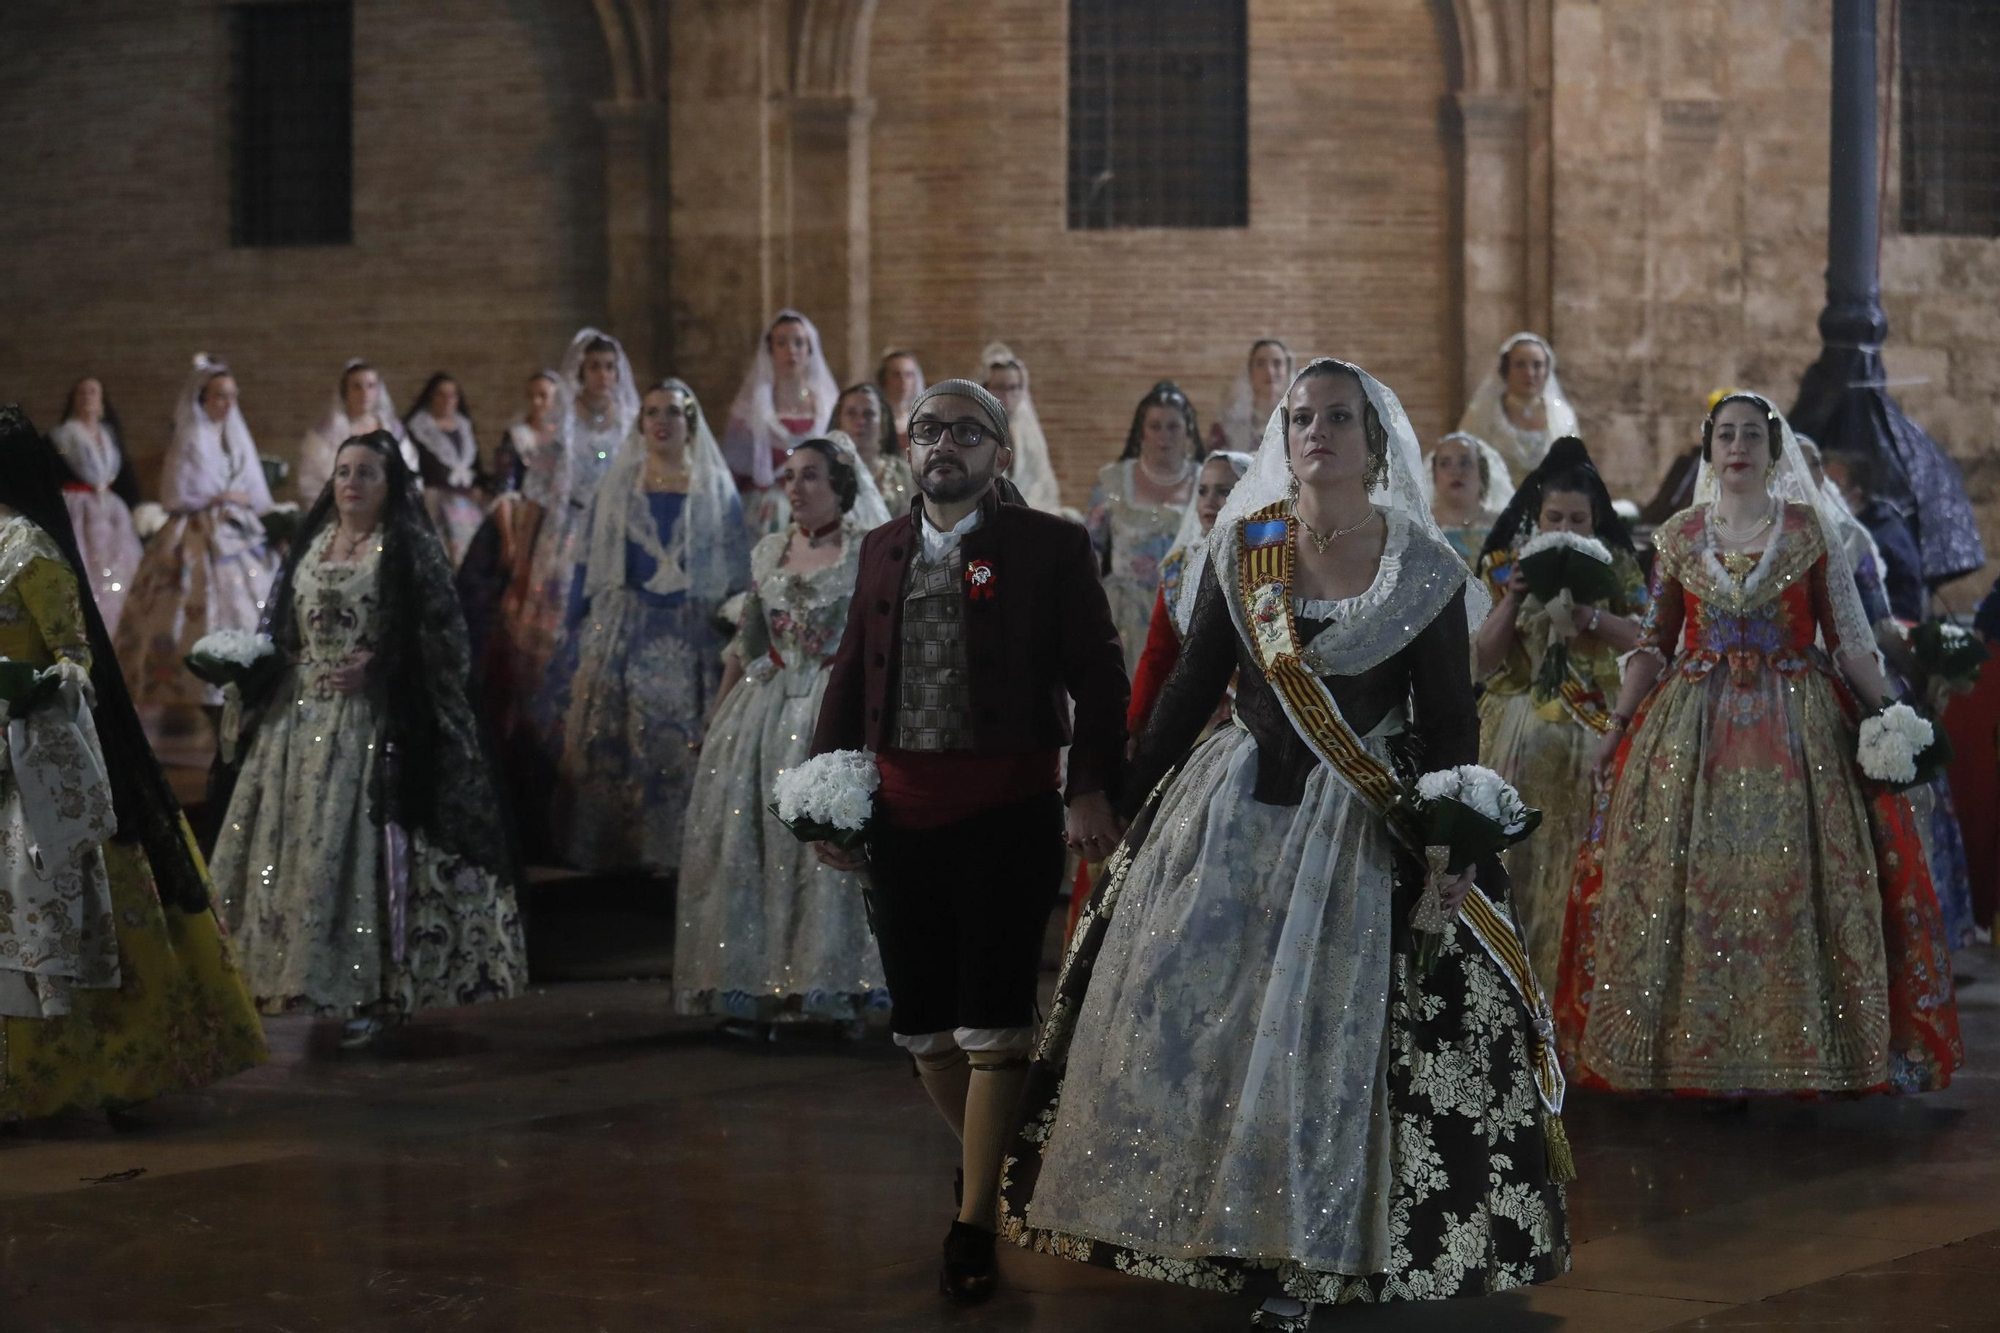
x=1747 y=914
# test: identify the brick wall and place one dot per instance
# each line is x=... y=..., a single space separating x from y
x=478 y=210
x=1690 y=147
x=1347 y=251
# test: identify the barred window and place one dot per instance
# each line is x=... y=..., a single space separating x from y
x=1159 y=114
x=1950 y=67
x=291 y=124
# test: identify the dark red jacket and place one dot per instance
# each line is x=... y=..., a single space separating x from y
x=1043 y=637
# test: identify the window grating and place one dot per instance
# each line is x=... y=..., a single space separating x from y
x=291 y=124
x=1159 y=114
x=1950 y=66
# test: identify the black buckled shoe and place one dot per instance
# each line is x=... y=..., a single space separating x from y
x=971 y=1270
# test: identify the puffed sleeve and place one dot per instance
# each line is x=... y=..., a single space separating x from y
x=1665 y=613
x=49 y=590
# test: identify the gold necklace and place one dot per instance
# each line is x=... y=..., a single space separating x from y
x=1321 y=543
x=353 y=546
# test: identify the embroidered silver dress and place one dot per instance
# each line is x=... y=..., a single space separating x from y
x=765 y=931
x=1239 y=1072
x=300 y=865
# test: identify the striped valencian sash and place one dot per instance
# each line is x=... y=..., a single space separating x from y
x=1266 y=550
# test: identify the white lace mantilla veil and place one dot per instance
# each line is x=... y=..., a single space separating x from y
x=1268 y=482
x=1240 y=404
x=1793 y=483
x=560 y=413
x=334 y=425
x=753 y=424
x=624 y=394
x=1854 y=534
x=1189 y=538
x=697 y=564
x=1499 y=485
x=1033 y=472
x=1486 y=416
x=191 y=480
x=869 y=510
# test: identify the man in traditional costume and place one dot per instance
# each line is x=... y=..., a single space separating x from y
x=975 y=623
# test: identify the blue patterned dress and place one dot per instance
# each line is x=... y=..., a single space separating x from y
x=632 y=676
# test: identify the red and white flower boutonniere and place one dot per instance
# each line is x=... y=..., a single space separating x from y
x=979 y=579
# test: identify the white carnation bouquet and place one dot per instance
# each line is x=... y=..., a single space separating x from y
x=1458 y=815
x=1900 y=746
x=829 y=798
x=148 y=517
x=231 y=656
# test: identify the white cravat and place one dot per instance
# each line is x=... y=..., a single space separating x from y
x=940 y=543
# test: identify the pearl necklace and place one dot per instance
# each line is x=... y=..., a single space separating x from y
x=1321 y=543
x=1164 y=483
x=1725 y=530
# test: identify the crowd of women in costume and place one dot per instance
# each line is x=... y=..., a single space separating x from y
x=599 y=644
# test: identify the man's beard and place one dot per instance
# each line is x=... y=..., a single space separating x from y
x=955 y=486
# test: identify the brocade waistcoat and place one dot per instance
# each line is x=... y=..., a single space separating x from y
x=933 y=695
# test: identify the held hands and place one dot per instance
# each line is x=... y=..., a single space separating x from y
x=1453 y=895
x=351 y=676
x=836 y=858
x=1091 y=827
x=1607 y=752
x=1517 y=584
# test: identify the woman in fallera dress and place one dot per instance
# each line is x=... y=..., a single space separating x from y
x=1033 y=472
x=863 y=415
x=1547 y=747
x=1252 y=397
x=361 y=404
x=766 y=933
x=1520 y=408
x=1704 y=953
x=639 y=661
x=457 y=490
x=1244 y=1084
x=364 y=866
x=787 y=398
x=1174 y=604
x=901 y=381
x=100 y=493
x=1136 y=508
x=115 y=985
x=209 y=568
x=1468 y=485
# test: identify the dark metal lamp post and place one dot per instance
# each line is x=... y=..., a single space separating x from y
x=1843 y=402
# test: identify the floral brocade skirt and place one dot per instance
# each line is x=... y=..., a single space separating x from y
x=179 y=1019
x=200 y=573
x=763 y=930
x=1243 y=1086
x=1549 y=762
x=1747 y=916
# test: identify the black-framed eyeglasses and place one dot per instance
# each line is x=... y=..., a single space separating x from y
x=965 y=432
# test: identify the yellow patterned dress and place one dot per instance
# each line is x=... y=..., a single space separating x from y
x=1545 y=749
x=174 y=1015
